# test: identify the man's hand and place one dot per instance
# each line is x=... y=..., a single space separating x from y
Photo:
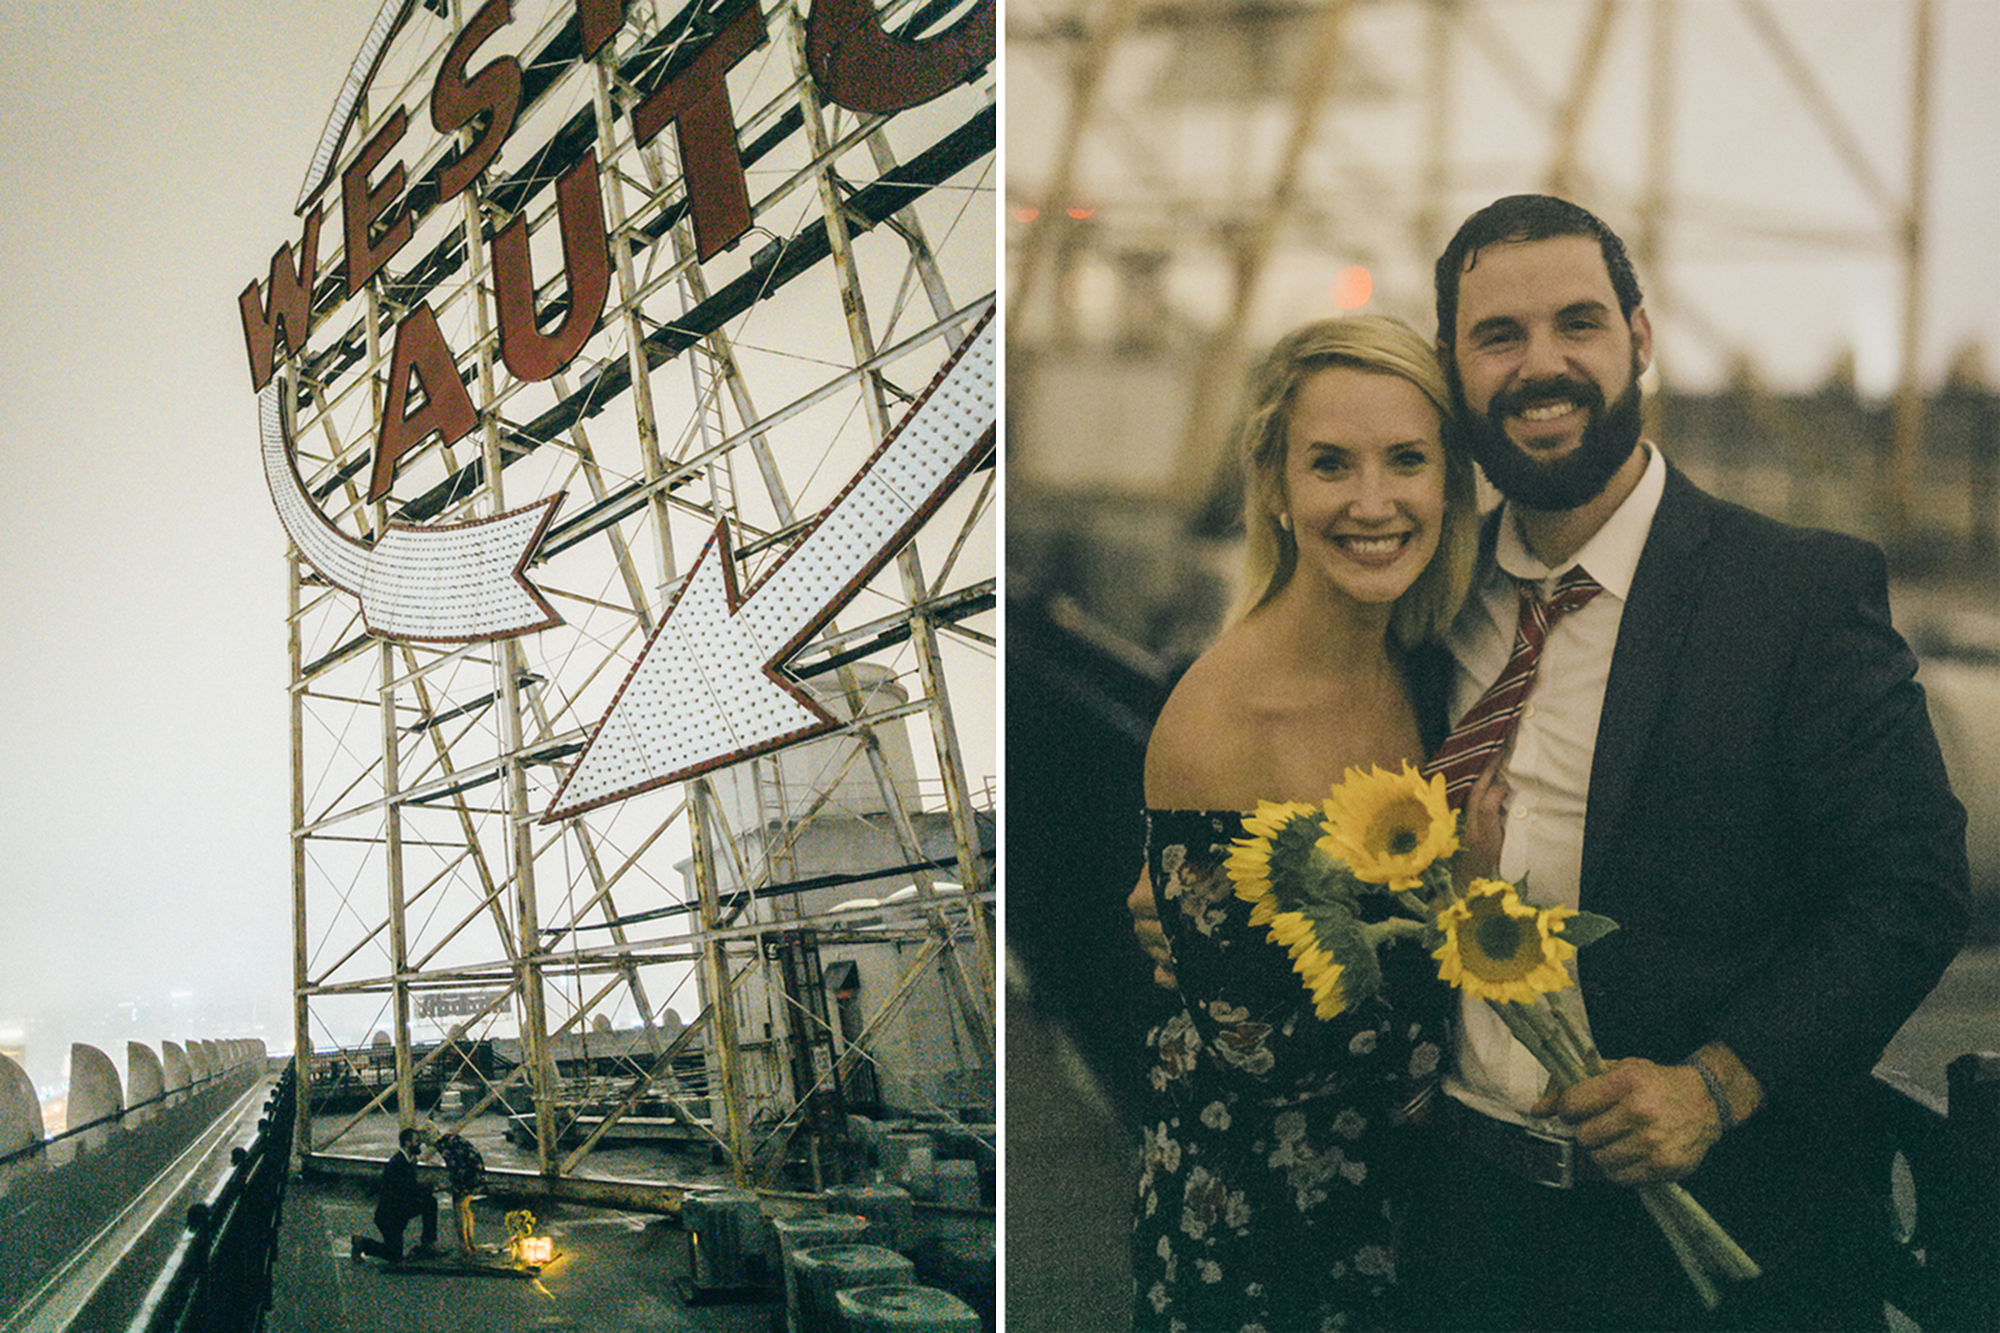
x=1152 y=935
x=1641 y=1122
x=1484 y=824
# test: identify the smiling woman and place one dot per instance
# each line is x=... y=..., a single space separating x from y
x=1359 y=506
x=1291 y=428
x=1364 y=482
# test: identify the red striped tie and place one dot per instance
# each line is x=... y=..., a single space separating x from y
x=1488 y=725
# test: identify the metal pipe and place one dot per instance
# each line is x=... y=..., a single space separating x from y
x=1906 y=454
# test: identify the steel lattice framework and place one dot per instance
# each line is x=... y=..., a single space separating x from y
x=737 y=391
x=1170 y=156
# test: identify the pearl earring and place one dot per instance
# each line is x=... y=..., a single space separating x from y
x=1284 y=520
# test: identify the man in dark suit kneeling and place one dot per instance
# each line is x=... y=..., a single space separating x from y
x=401 y=1197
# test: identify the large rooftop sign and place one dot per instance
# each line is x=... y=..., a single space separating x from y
x=359 y=289
x=707 y=691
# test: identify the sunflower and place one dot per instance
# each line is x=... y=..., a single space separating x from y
x=1250 y=863
x=1499 y=948
x=1389 y=827
x=1314 y=964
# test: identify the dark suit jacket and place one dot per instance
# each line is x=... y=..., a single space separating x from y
x=1770 y=824
x=401 y=1195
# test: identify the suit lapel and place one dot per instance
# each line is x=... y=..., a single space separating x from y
x=1655 y=624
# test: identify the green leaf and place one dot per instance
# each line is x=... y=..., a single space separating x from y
x=1337 y=931
x=1587 y=928
x=1298 y=867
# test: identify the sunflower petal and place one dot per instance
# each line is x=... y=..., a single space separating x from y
x=1389 y=827
x=1497 y=947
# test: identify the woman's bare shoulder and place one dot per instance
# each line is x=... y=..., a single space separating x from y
x=1203 y=755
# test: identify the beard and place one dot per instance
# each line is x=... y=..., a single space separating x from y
x=1578 y=477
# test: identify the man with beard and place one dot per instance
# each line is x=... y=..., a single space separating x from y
x=1768 y=820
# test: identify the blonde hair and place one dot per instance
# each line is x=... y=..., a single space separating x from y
x=1382 y=346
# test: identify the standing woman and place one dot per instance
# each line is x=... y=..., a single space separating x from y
x=1274 y=1159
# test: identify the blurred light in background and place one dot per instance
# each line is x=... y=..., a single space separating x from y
x=1352 y=287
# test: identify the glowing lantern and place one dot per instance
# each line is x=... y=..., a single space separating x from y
x=524 y=1247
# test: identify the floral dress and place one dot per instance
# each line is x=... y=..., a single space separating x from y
x=1276 y=1151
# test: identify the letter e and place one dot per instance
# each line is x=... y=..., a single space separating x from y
x=362 y=206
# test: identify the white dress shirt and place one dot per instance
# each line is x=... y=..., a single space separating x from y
x=1547 y=769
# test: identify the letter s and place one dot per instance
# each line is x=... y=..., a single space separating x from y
x=456 y=100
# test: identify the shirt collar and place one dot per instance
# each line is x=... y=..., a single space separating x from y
x=1611 y=556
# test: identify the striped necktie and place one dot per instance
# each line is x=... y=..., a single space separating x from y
x=1488 y=726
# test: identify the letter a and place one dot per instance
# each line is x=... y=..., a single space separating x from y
x=529 y=353
x=447 y=408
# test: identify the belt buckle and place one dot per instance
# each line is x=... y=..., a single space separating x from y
x=1565 y=1159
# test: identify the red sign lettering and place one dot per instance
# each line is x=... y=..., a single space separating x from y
x=853 y=61
x=446 y=408
x=363 y=205
x=529 y=353
x=859 y=66
x=286 y=317
x=457 y=100
x=696 y=101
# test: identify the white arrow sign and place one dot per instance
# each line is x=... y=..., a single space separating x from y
x=439 y=583
x=389 y=18
x=706 y=690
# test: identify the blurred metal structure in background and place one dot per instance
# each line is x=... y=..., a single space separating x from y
x=544 y=967
x=1185 y=178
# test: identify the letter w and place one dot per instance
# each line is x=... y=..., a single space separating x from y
x=286 y=317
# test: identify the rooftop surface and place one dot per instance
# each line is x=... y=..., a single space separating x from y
x=613 y=1271
x=617 y=1271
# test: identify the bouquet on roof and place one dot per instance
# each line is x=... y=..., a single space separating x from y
x=1306 y=871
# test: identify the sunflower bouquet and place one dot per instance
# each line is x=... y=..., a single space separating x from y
x=1308 y=872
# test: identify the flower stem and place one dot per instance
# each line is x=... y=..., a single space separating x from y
x=1593 y=1063
x=1722 y=1253
x=1522 y=1022
x=1670 y=1223
x=1377 y=933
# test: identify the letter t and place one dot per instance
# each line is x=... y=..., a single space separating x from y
x=696 y=100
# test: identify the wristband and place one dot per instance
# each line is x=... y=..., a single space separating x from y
x=1723 y=1113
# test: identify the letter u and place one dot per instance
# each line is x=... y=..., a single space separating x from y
x=529 y=353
